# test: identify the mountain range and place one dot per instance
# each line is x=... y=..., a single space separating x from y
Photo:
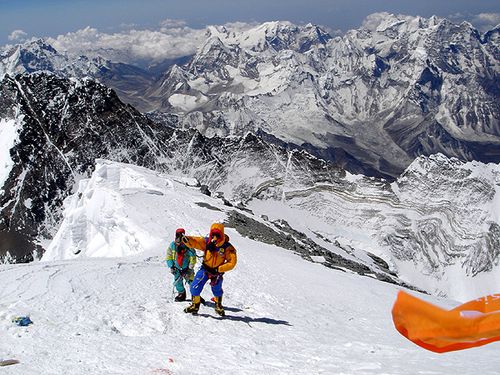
x=388 y=134
x=371 y=100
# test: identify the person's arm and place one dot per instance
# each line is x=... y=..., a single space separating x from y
x=195 y=242
x=231 y=260
x=169 y=259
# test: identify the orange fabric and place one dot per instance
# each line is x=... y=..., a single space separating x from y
x=219 y=229
x=225 y=259
x=471 y=324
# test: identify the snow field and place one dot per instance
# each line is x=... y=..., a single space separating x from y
x=284 y=315
x=116 y=315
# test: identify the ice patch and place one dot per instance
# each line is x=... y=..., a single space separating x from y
x=318 y=258
x=186 y=102
x=9 y=133
x=99 y=219
x=123 y=210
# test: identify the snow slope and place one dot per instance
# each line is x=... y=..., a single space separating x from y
x=8 y=138
x=115 y=315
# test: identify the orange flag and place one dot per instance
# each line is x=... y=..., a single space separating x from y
x=474 y=323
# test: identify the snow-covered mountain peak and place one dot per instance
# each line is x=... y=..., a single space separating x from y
x=393 y=25
x=394 y=69
x=213 y=42
x=395 y=80
x=39 y=55
x=274 y=35
x=37 y=46
x=29 y=57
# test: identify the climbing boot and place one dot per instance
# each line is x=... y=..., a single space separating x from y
x=180 y=297
x=218 y=306
x=194 y=307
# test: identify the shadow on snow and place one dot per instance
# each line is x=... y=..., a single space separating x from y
x=246 y=319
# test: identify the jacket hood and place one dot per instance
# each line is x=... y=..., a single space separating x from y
x=218 y=227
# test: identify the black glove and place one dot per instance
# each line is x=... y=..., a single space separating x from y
x=211 y=271
x=184 y=272
x=172 y=270
x=211 y=246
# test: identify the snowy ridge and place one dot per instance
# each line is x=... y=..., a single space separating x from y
x=439 y=242
x=437 y=225
x=95 y=223
x=112 y=214
x=101 y=218
x=116 y=315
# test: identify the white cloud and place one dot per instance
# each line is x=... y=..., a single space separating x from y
x=132 y=45
x=481 y=21
x=173 y=39
x=172 y=24
x=485 y=21
x=127 y=26
x=333 y=32
x=239 y=26
x=17 y=35
x=372 y=21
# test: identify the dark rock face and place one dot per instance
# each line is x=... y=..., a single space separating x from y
x=66 y=126
x=18 y=248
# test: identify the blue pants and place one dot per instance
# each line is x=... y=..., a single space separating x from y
x=179 y=280
x=201 y=279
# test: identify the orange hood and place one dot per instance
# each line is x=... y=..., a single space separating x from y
x=217 y=228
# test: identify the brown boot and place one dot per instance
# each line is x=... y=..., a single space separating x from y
x=194 y=307
x=218 y=306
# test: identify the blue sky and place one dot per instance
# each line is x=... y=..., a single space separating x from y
x=49 y=18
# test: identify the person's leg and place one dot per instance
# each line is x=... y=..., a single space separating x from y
x=199 y=282
x=179 y=286
x=217 y=291
x=196 y=287
x=217 y=286
x=178 y=282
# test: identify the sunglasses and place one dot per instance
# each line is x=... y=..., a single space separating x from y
x=216 y=234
